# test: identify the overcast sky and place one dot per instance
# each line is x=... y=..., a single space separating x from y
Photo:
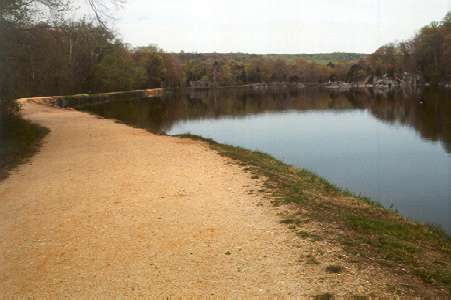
x=274 y=26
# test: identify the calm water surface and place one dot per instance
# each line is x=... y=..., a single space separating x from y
x=394 y=148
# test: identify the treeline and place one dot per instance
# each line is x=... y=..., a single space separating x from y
x=42 y=53
x=427 y=56
x=235 y=69
x=67 y=58
x=40 y=58
x=321 y=58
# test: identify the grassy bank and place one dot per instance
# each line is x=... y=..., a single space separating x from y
x=365 y=229
x=19 y=140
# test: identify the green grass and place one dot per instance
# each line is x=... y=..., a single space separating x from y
x=365 y=229
x=319 y=58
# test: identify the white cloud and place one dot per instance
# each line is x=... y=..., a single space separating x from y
x=269 y=26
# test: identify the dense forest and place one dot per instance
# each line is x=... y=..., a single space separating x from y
x=53 y=56
x=427 y=55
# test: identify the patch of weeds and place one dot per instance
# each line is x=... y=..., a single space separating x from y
x=442 y=275
x=391 y=227
x=390 y=239
x=307 y=235
x=325 y=296
x=311 y=260
x=334 y=269
x=294 y=221
x=276 y=203
x=255 y=177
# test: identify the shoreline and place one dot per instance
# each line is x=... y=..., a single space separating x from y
x=309 y=206
x=364 y=227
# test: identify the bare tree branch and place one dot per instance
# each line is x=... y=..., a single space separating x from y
x=102 y=10
x=31 y=10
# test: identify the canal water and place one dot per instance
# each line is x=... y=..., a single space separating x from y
x=393 y=147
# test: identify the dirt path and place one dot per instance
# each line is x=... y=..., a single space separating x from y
x=106 y=209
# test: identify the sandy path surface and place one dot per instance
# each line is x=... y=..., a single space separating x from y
x=106 y=209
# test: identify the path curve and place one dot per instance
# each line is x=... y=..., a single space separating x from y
x=105 y=209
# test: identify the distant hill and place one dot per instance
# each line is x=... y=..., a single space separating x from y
x=320 y=58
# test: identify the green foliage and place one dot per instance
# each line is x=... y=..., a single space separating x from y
x=39 y=59
x=431 y=51
x=117 y=71
x=42 y=58
x=151 y=59
x=239 y=68
x=321 y=58
x=427 y=55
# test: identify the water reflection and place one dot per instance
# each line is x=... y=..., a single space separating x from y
x=392 y=147
x=428 y=113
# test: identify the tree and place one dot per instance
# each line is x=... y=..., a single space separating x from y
x=26 y=11
x=42 y=59
x=151 y=58
x=118 y=71
x=43 y=56
x=446 y=31
x=173 y=73
x=357 y=73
